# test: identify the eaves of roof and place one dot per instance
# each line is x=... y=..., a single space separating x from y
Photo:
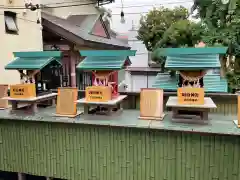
x=81 y=31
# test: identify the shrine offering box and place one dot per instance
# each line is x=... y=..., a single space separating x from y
x=193 y=96
x=151 y=104
x=3 y=93
x=66 y=104
x=23 y=91
x=98 y=94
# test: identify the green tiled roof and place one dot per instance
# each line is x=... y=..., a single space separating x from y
x=196 y=61
x=105 y=59
x=103 y=63
x=33 y=60
x=104 y=53
x=212 y=83
x=165 y=81
x=191 y=58
x=189 y=51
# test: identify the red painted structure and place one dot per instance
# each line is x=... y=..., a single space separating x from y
x=106 y=78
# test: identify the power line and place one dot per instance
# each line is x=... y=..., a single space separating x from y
x=148 y=5
x=63 y=2
x=49 y=7
x=85 y=4
x=145 y=12
x=132 y=13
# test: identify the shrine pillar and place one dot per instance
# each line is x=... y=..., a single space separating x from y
x=73 y=68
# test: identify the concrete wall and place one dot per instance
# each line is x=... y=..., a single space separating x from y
x=64 y=12
x=29 y=38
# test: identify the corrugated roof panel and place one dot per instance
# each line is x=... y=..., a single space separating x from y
x=104 y=53
x=212 y=83
x=102 y=63
x=165 y=81
x=34 y=54
x=198 y=61
x=33 y=60
x=190 y=51
x=30 y=63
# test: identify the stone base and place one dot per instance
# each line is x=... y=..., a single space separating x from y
x=152 y=118
x=69 y=115
x=197 y=113
x=189 y=119
x=102 y=108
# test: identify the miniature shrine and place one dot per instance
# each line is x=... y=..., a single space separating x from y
x=37 y=72
x=103 y=95
x=191 y=66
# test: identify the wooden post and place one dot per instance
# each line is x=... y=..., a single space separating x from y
x=3 y=94
x=73 y=69
x=115 y=79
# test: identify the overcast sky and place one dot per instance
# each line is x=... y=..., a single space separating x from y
x=136 y=8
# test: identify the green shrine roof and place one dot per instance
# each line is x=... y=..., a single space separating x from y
x=105 y=60
x=97 y=53
x=33 y=60
x=184 y=62
x=191 y=58
x=192 y=50
x=212 y=83
x=165 y=81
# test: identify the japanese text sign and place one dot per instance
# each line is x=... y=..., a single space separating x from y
x=23 y=91
x=98 y=93
x=194 y=96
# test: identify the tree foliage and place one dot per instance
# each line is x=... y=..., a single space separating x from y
x=219 y=26
x=154 y=25
x=222 y=22
x=223 y=26
x=166 y=27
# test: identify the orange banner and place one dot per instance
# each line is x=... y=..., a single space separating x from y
x=194 y=96
x=98 y=93
x=23 y=91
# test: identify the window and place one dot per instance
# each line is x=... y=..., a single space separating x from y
x=10 y=22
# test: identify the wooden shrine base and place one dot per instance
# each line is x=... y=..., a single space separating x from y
x=152 y=118
x=29 y=104
x=189 y=113
x=189 y=120
x=69 y=115
x=236 y=123
x=103 y=108
x=110 y=111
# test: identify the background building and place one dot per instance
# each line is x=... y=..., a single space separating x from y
x=140 y=74
x=19 y=31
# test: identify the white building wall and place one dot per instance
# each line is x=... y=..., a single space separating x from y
x=141 y=58
x=28 y=38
